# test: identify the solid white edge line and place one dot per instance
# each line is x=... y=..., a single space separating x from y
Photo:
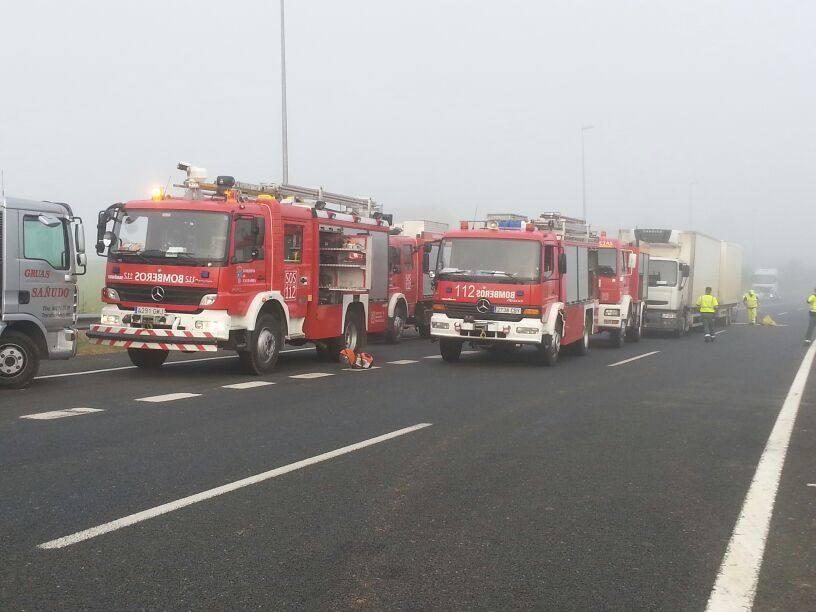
x=144 y=515
x=617 y=363
x=169 y=363
x=738 y=576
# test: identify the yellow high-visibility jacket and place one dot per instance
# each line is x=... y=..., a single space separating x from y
x=812 y=302
x=751 y=300
x=707 y=303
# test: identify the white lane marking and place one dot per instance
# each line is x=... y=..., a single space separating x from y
x=59 y=414
x=167 y=397
x=469 y=352
x=433 y=357
x=144 y=515
x=617 y=363
x=361 y=369
x=722 y=331
x=248 y=385
x=811 y=484
x=169 y=363
x=737 y=579
x=782 y=313
x=403 y=361
x=311 y=375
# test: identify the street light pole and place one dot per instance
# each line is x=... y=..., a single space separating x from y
x=284 y=135
x=583 y=171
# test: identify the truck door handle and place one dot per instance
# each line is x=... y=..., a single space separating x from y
x=304 y=280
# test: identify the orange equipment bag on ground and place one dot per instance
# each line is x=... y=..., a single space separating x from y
x=356 y=360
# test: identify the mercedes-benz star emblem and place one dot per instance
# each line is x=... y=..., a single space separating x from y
x=157 y=293
x=483 y=306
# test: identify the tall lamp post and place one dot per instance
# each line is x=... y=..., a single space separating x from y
x=284 y=136
x=583 y=170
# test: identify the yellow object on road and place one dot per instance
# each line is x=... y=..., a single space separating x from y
x=767 y=320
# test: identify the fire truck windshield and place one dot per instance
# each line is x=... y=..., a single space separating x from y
x=187 y=237
x=662 y=273
x=607 y=262
x=494 y=259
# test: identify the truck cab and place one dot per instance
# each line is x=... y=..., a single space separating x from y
x=42 y=246
x=621 y=272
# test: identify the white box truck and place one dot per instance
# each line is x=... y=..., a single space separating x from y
x=682 y=264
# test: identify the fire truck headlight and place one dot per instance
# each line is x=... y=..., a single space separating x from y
x=111 y=294
x=208 y=300
x=527 y=330
x=110 y=319
x=611 y=312
x=440 y=325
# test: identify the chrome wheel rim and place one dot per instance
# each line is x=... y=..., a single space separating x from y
x=266 y=344
x=351 y=337
x=399 y=323
x=12 y=360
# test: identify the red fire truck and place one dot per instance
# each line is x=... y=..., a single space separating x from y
x=509 y=282
x=622 y=273
x=410 y=269
x=244 y=267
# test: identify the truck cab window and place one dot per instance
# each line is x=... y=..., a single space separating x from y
x=394 y=259
x=46 y=243
x=248 y=239
x=549 y=261
x=293 y=243
x=407 y=258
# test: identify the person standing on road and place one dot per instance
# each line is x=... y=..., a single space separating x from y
x=812 y=322
x=751 y=301
x=708 y=309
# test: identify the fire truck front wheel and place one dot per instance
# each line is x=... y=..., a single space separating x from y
x=263 y=347
x=148 y=359
x=450 y=350
x=549 y=350
x=396 y=324
x=19 y=360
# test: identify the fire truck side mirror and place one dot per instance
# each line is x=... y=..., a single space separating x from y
x=632 y=261
x=562 y=263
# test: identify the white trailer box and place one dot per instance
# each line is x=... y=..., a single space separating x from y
x=417 y=227
x=730 y=286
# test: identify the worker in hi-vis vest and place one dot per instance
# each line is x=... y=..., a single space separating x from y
x=751 y=301
x=708 y=310
x=812 y=322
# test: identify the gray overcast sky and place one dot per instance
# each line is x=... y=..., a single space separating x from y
x=435 y=107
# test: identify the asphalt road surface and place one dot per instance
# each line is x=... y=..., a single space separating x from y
x=491 y=483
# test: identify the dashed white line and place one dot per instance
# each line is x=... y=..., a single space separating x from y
x=403 y=361
x=469 y=352
x=309 y=375
x=736 y=583
x=248 y=385
x=169 y=363
x=617 y=363
x=722 y=331
x=782 y=313
x=433 y=357
x=144 y=515
x=59 y=414
x=361 y=369
x=167 y=397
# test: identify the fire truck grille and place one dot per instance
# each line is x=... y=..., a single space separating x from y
x=173 y=296
x=460 y=311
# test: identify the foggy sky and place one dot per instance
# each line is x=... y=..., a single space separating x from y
x=436 y=108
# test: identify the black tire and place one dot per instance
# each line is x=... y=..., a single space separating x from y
x=549 y=350
x=450 y=350
x=263 y=347
x=396 y=324
x=148 y=359
x=619 y=336
x=354 y=337
x=423 y=323
x=19 y=360
x=636 y=331
x=582 y=347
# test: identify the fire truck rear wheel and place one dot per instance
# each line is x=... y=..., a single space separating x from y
x=264 y=346
x=619 y=336
x=396 y=324
x=636 y=331
x=19 y=360
x=450 y=350
x=148 y=359
x=582 y=347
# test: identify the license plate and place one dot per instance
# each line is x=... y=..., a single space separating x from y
x=507 y=309
x=150 y=310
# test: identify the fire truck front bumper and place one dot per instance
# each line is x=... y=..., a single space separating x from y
x=175 y=332
x=526 y=331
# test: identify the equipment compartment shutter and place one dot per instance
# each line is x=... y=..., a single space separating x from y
x=379 y=266
x=572 y=273
x=584 y=290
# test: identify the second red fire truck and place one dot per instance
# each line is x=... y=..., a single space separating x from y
x=510 y=281
x=247 y=267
